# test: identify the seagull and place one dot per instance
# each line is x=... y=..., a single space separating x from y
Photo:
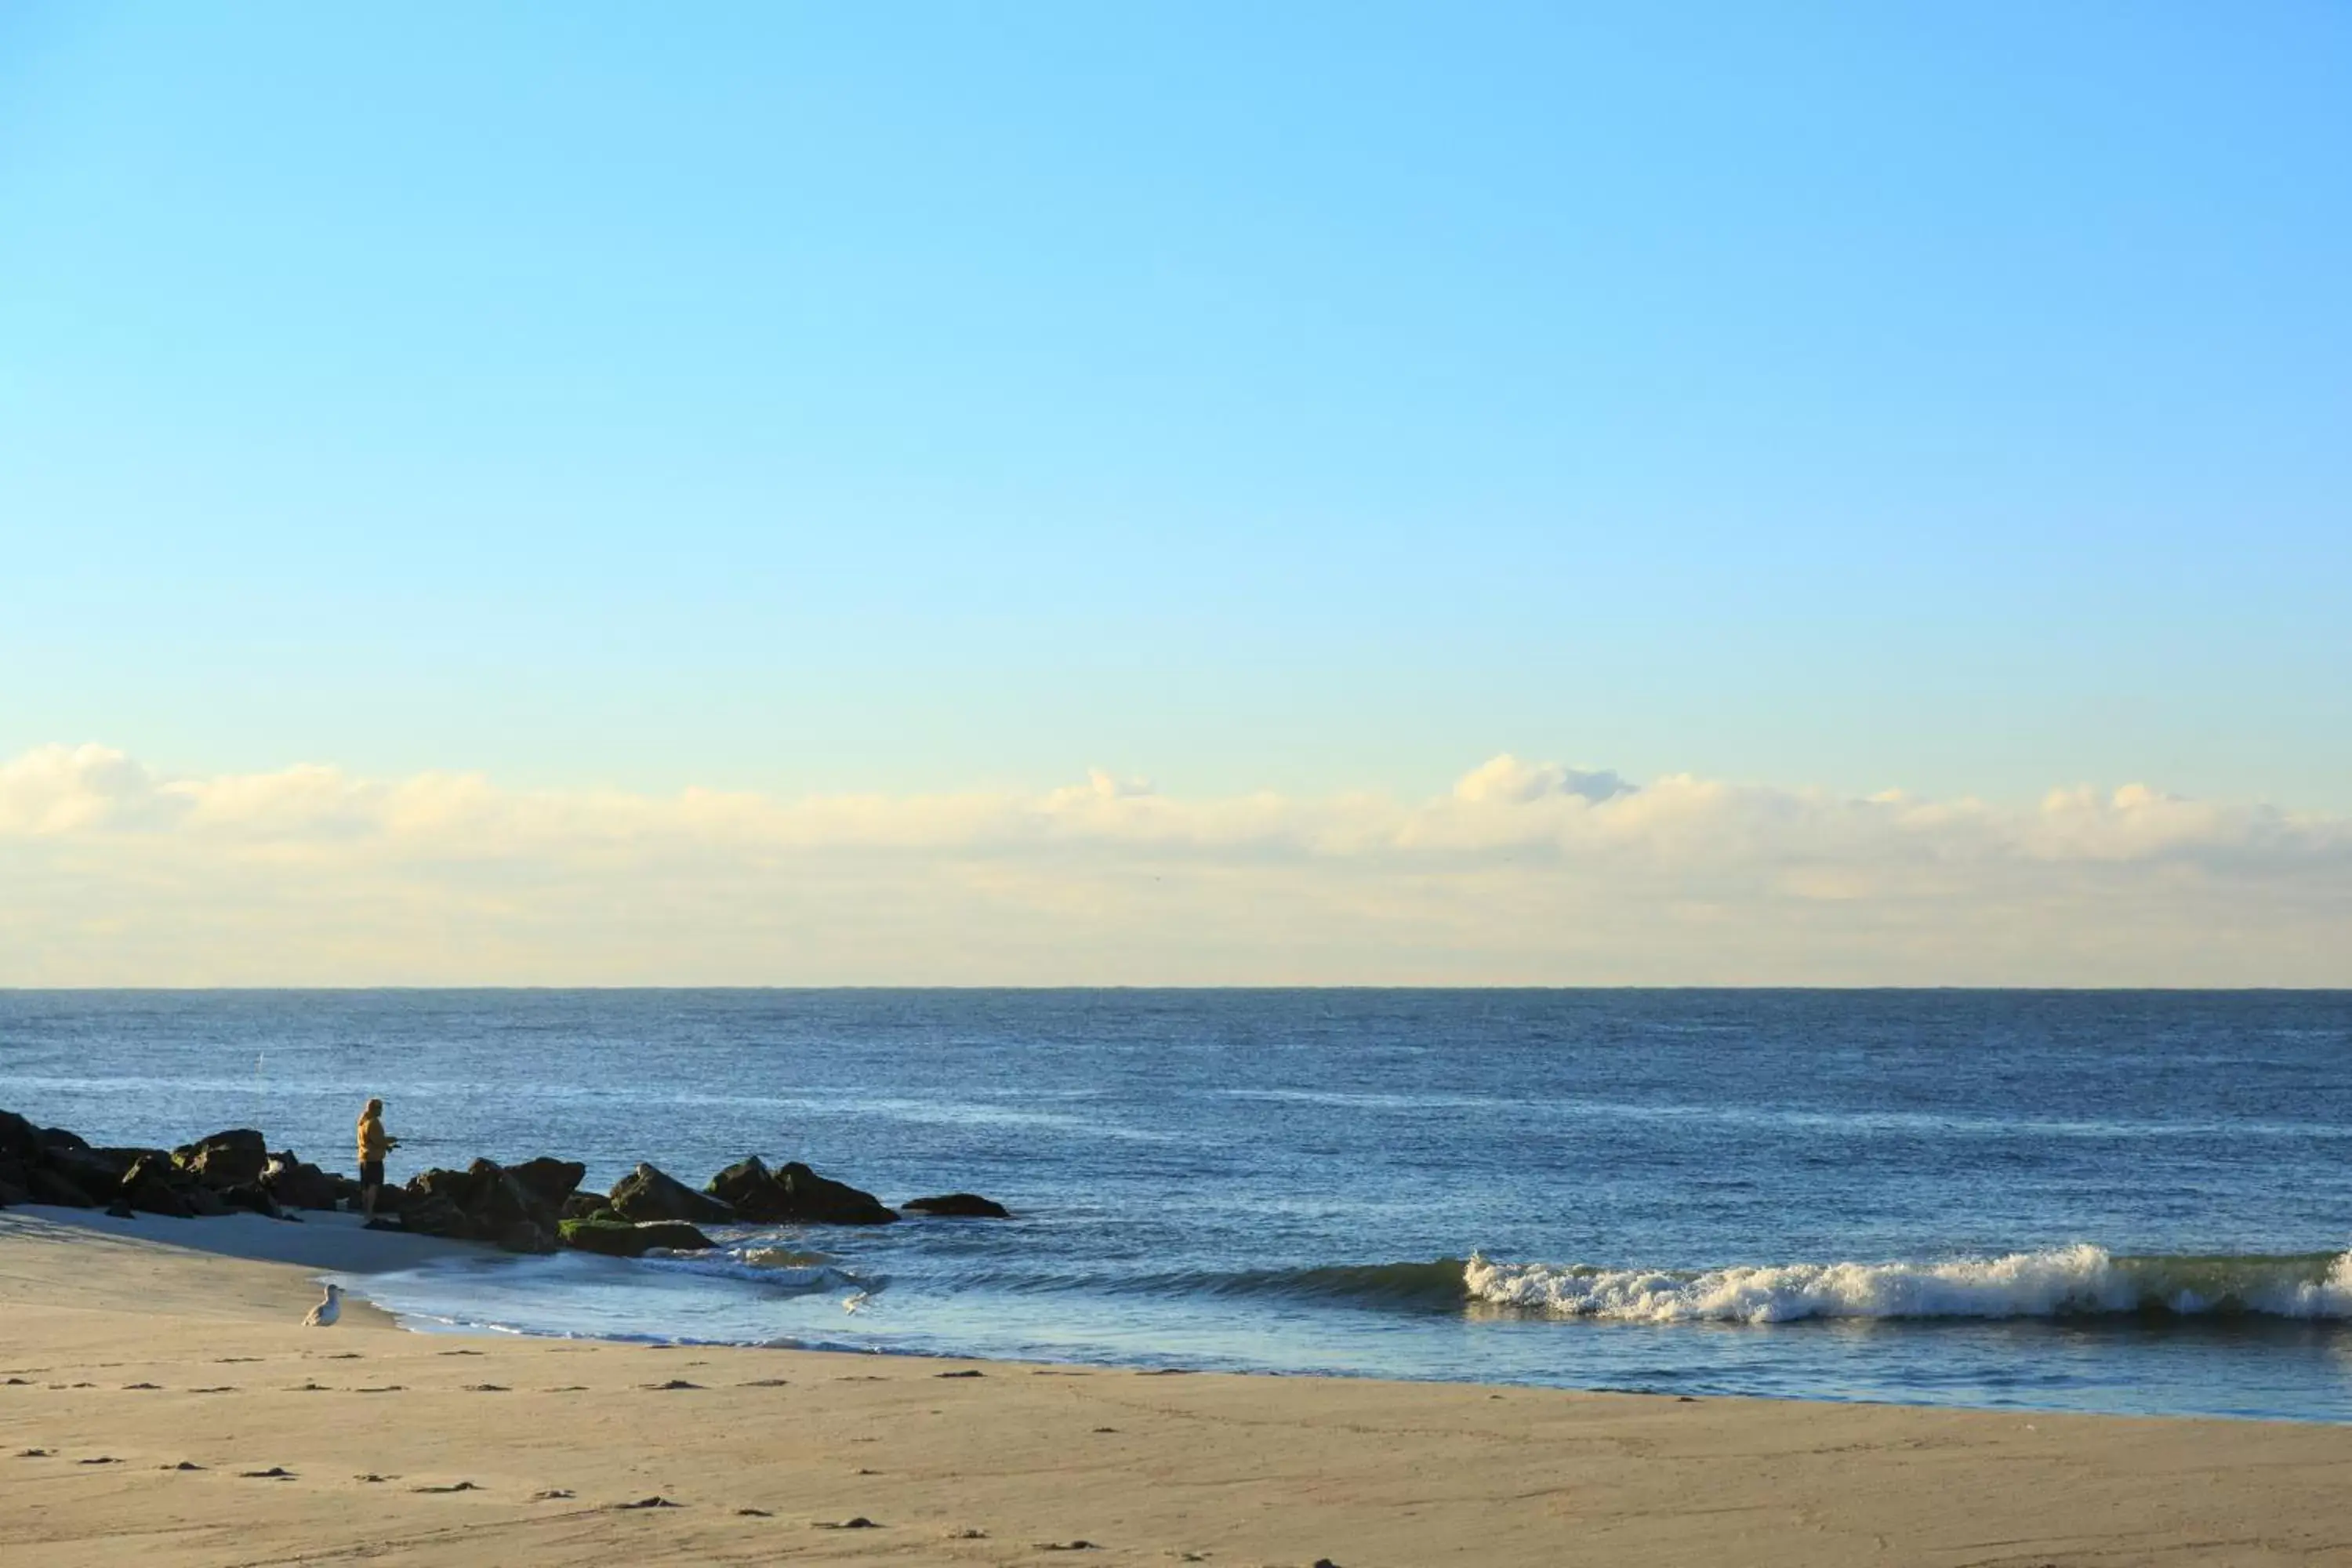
x=324 y=1314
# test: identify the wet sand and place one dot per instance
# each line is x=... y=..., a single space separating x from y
x=161 y=1404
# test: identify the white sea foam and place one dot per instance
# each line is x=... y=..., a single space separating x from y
x=2060 y=1280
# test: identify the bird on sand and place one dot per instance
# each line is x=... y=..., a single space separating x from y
x=324 y=1314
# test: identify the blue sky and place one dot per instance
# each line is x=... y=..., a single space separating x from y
x=1307 y=397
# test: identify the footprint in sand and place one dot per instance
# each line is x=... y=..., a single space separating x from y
x=224 y=1388
x=754 y=1513
x=553 y=1494
x=386 y=1388
x=487 y=1388
x=571 y=1388
x=343 y=1356
x=958 y=1374
x=452 y=1487
x=309 y=1388
x=16 y=1383
x=643 y=1502
x=371 y=1478
x=274 y=1473
x=134 y=1387
x=856 y=1521
x=967 y=1535
x=1080 y=1544
x=36 y=1453
x=236 y=1360
x=101 y=1459
x=456 y=1353
x=765 y=1383
x=1100 y=1430
x=182 y=1465
x=674 y=1383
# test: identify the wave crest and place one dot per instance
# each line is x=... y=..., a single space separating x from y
x=2081 y=1280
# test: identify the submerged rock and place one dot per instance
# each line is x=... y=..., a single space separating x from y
x=795 y=1195
x=959 y=1205
x=627 y=1238
x=648 y=1193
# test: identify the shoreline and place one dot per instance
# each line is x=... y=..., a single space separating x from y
x=148 y=1354
x=331 y=1244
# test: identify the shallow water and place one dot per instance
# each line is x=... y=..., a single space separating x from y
x=2106 y=1201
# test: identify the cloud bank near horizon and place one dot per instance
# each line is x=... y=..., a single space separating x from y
x=111 y=874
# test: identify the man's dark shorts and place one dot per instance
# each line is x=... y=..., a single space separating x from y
x=370 y=1173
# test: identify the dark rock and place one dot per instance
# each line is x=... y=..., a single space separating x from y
x=525 y=1235
x=202 y=1201
x=625 y=1238
x=55 y=1138
x=295 y=1185
x=47 y=1186
x=647 y=1194
x=250 y=1198
x=484 y=1202
x=749 y=1189
x=16 y=1187
x=20 y=1141
x=233 y=1159
x=505 y=1203
x=582 y=1205
x=551 y=1181
x=794 y=1195
x=147 y=1188
x=97 y=1171
x=427 y=1215
x=121 y=1211
x=456 y=1188
x=959 y=1205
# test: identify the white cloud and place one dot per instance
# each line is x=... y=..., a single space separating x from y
x=1505 y=780
x=1522 y=873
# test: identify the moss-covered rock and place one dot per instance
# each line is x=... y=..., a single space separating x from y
x=625 y=1238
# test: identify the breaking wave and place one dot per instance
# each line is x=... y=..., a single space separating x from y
x=2069 y=1281
x=779 y=1268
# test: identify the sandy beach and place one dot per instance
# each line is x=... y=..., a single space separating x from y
x=161 y=1402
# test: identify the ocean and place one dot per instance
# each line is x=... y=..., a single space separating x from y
x=2127 y=1202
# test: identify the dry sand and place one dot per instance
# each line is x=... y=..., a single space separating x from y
x=162 y=1405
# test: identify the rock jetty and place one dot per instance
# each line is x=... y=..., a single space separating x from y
x=534 y=1207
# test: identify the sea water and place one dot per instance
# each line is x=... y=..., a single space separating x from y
x=2082 y=1200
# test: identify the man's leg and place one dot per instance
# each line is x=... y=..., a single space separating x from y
x=367 y=1200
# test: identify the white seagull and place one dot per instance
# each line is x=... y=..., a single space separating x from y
x=324 y=1314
